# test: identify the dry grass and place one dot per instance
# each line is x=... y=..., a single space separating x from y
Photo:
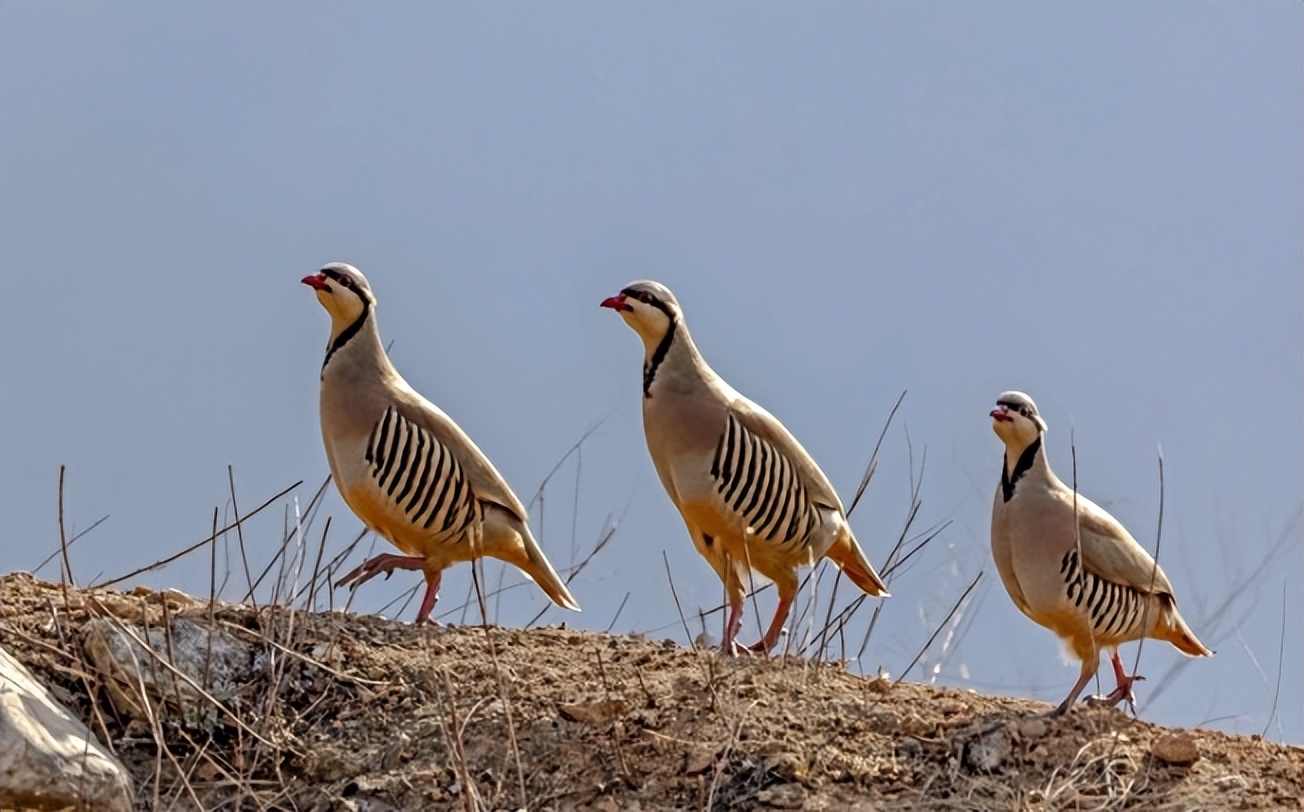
x=336 y=707
x=337 y=710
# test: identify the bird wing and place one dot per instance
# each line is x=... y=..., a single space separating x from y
x=486 y=483
x=762 y=476
x=1110 y=552
x=767 y=427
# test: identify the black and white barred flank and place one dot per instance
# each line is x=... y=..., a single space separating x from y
x=762 y=485
x=420 y=476
x=1114 y=610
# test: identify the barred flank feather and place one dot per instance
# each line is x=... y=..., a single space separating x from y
x=761 y=485
x=418 y=474
x=1114 y=611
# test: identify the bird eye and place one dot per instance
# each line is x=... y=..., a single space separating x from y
x=346 y=280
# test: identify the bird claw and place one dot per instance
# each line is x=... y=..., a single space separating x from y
x=733 y=649
x=384 y=563
x=354 y=577
x=1110 y=701
x=1123 y=693
x=767 y=643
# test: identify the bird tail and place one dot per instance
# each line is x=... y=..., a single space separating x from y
x=1173 y=628
x=528 y=557
x=846 y=553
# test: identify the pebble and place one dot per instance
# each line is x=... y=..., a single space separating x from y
x=1175 y=748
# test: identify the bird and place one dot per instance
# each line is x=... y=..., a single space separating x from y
x=750 y=495
x=403 y=466
x=1089 y=582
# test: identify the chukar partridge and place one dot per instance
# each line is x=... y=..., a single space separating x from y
x=751 y=496
x=403 y=466
x=1096 y=587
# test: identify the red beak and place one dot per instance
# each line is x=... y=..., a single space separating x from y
x=316 y=281
x=1001 y=415
x=616 y=302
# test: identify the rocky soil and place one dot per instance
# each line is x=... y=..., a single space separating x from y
x=340 y=712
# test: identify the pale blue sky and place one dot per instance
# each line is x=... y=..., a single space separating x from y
x=1099 y=204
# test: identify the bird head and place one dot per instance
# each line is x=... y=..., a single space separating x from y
x=343 y=291
x=647 y=307
x=1015 y=419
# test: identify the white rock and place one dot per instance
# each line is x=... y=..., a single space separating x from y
x=989 y=749
x=48 y=759
x=210 y=658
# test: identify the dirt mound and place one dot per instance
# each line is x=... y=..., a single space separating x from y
x=347 y=712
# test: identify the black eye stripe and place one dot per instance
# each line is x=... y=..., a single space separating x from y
x=649 y=299
x=346 y=281
x=1021 y=408
x=343 y=279
x=642 y=295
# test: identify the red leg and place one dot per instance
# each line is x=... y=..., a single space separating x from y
x=1124 y=690
x=1089 y=667
x=386 y=563
x=776 y=628
x=731 y=627
x=428 y=600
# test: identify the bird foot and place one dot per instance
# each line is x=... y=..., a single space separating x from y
x=767 y=643
x=734 y=649
x=761 y=646
x=384 y=563
x=1123 y=693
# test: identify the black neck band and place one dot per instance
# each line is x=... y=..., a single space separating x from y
x=347 y=333
x=1021 y=467
x=658 y=355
